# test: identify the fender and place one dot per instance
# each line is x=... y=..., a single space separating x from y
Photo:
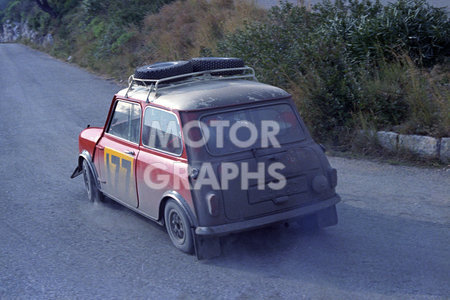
x=182 y=203
x=79 y=169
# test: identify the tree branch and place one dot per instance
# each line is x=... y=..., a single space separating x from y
x=43 y=4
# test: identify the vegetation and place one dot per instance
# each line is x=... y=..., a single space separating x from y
x=96 y=34
x=349 y=65
x=4 y=3
x=193 y=28
x=354 y=65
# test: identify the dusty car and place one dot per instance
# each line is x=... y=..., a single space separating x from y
x=204 y=149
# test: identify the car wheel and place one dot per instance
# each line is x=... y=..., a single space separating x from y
x=178 y=227
x=163 y=70
x=92 y=191
x=216 y=63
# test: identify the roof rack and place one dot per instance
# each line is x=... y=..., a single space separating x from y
x=153 y=84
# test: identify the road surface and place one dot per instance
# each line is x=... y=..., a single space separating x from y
x=393 y=239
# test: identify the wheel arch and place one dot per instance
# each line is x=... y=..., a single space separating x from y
x=85 y=155
x=172 y=195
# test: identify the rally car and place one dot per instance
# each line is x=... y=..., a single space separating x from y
x=204 y=149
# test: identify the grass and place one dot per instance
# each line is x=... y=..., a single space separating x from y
x=192 y=28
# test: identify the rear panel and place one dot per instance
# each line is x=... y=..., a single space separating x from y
x=302 y=163
x=305 y=173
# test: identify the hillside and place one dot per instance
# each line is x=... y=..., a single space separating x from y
x=350 y=66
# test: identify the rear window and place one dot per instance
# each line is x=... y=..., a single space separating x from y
x=161 y=131
x=251 y=128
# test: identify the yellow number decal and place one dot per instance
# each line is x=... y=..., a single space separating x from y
x=119 y=169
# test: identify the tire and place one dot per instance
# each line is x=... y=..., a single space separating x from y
x=163 y=70
x=94 y=194
x=178 y=227
x=215 y=63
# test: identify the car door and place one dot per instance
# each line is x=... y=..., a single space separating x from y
x=161 y=166
x=117 y=152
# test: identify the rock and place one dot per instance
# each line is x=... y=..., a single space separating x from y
x=424 y=146
x=388 y=140
x=48 y=40
x=13 y=31
x=444 y=153
x=26 y=33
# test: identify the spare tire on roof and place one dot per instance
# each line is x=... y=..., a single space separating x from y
x=215 y=63
x=163 y=70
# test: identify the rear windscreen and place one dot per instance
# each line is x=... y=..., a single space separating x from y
x=251 y=128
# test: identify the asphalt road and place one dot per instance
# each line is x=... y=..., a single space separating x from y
x=393 y=239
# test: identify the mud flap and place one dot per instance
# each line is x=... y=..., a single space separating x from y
x=323 y=218
x=78 y=171
x=206 y=247
x=327 y=217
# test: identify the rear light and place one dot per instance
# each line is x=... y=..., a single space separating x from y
x=320 y=184
x=213 y=204
x=332 y=177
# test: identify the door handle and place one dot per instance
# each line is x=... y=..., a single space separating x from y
x=100 y=147
x=130 y=152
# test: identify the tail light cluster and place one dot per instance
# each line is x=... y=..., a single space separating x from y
x=332 y=177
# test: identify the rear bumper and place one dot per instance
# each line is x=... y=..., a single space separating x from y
x=261 y=221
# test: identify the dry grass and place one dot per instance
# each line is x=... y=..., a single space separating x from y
x=191 y=28
x=427 y=94
x=399 y=96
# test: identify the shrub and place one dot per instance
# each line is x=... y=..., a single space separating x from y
x=383 y=93
x=15 y=9
x=294 y=51
x=341 y=62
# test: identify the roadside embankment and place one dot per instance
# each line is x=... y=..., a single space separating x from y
x=423 y=146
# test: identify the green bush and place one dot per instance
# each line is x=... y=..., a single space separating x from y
x=341 y=61
x=373 y=31
x=121 y=41
x=15 y=10
x=382 y=99
x=293 y=50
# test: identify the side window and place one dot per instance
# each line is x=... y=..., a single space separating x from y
x=126 y=121
x=161 y=131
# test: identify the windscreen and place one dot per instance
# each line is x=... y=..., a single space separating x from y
x=251 y=128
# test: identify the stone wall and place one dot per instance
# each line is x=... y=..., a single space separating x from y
x=424 y=146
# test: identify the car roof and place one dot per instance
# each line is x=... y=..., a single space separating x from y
x=208 y=94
